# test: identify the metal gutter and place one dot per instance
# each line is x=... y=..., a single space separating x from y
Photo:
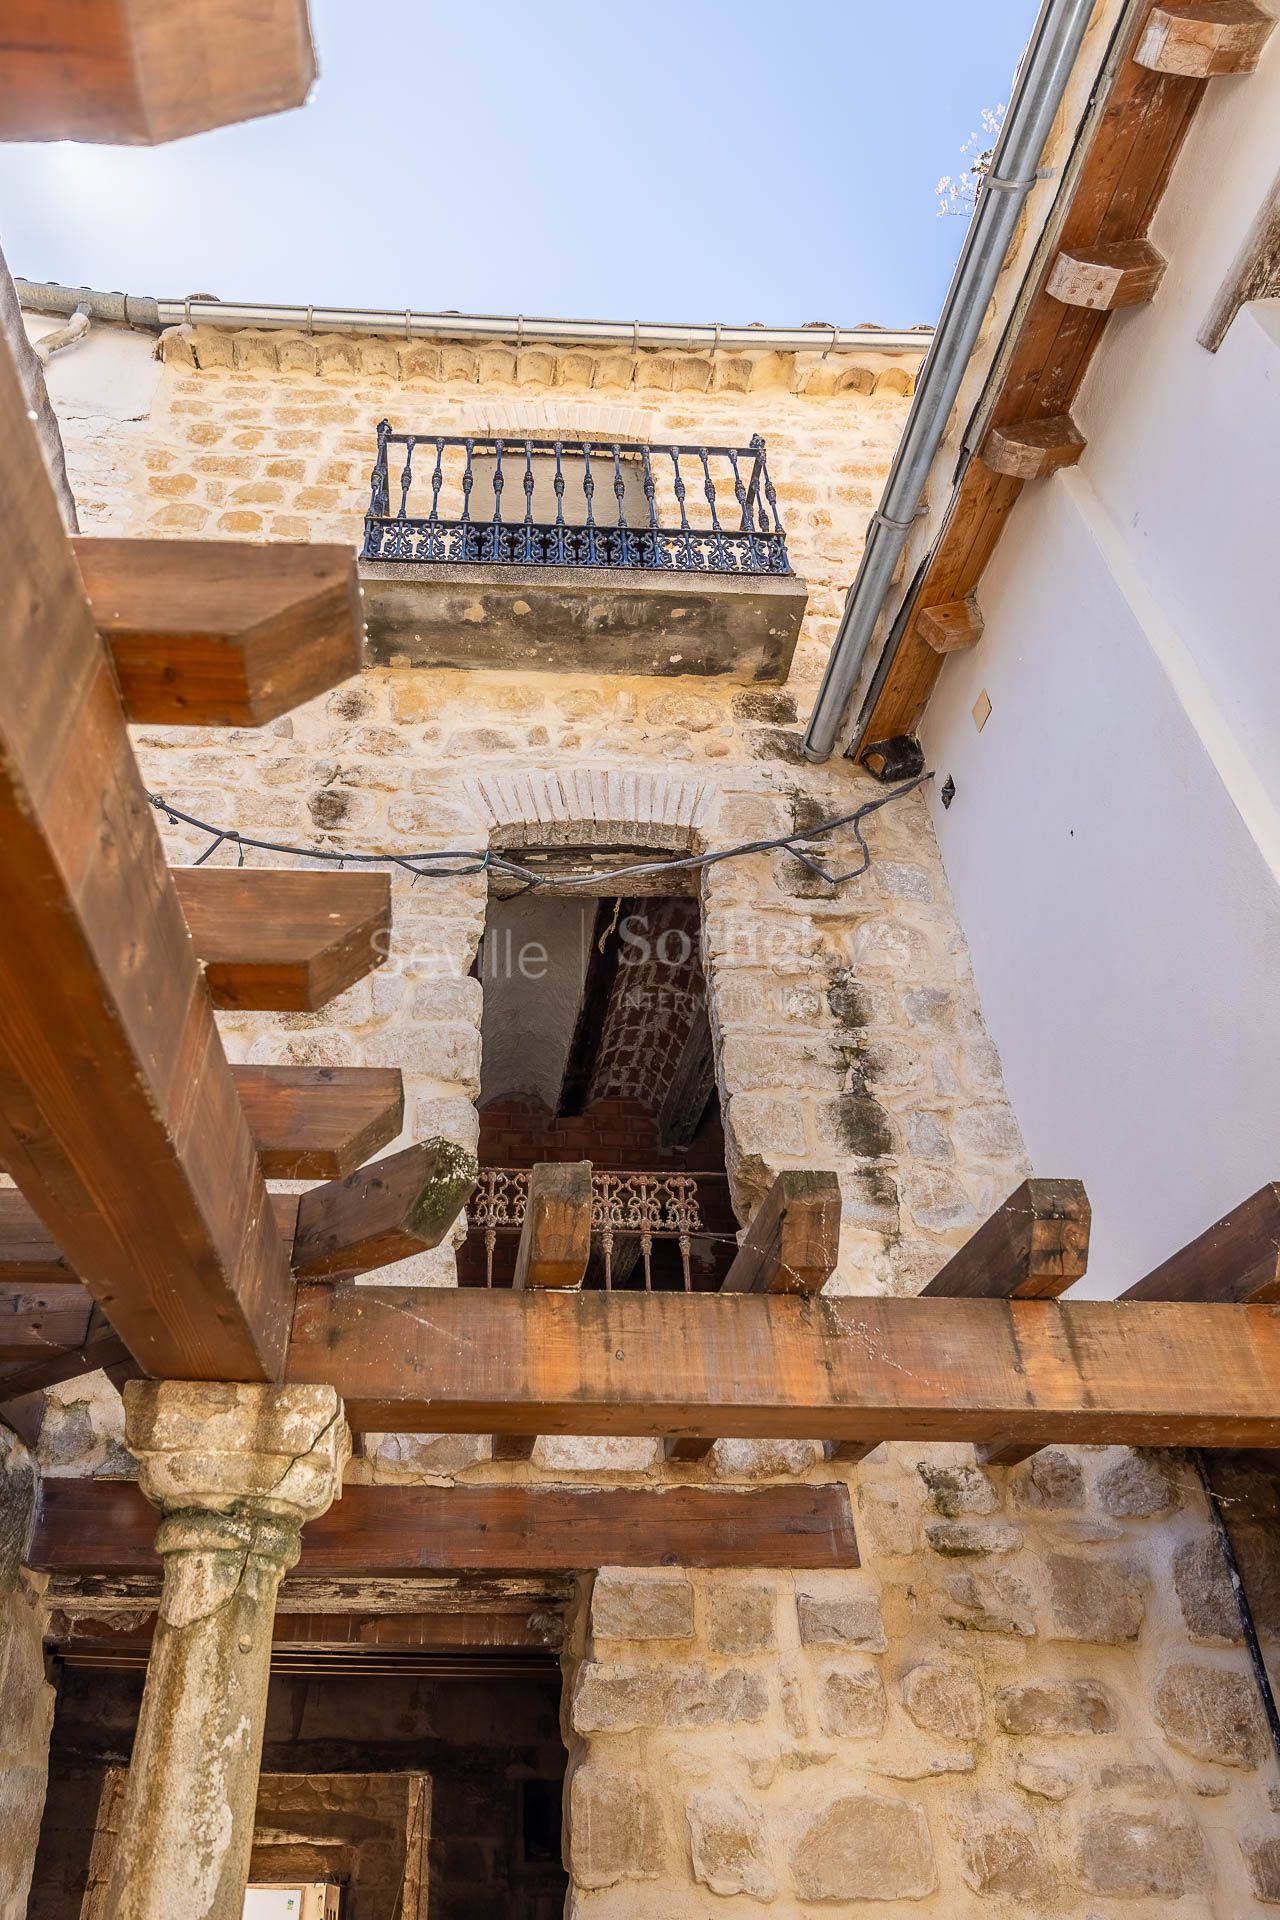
x=140 y=310
x=1042 y=81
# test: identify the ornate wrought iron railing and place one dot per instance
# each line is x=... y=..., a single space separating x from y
x=624 y=1207
x=572 y=503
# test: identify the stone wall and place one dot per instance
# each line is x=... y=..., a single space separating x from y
x=1031 y=1697
x=1023 y=1702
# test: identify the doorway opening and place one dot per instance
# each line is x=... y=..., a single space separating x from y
x=414 y=1784
x=597 y=1046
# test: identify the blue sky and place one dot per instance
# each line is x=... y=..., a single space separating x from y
x=772 y=162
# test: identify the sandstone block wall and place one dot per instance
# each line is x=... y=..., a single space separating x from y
x=1031 y=1699
x=1018 y=1704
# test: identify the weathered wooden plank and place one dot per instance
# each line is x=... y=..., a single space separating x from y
x=951 y=625
x=98 y=1347
x=27 y=1250
x=1032 y=449
x=386 y=1211
x=107 y=1527
x=1204 y=38
x=1236 y=1259
x=844 y=1368
x=1033 y=1247
x=555 y=1239
x=1124 y=273
x=1134 y=140
x=140 y=71
x=221 y=633
x=35 y=1319
x=284 y=942
x=1254 y=275
x=119 y=1118
x=319 y=1123
x=399 y=1632
x=793 y=1241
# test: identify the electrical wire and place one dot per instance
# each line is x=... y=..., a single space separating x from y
x=458 y=862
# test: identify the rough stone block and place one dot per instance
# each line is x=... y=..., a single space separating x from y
x=641 y=1606
x=1099 y=1600
x=944 y=1699
x=763 y=1459
x=1050 y=1481
x=1261 y=1851
x=1051 y=1708
x=962 y=1539
x=1135 y=1487
x=999 y=1849
x=989 y=1603
x=1212 y=1713
x=1135 y=1854
x=832 y=1619
x=619 y=1699
x=740 y=1619
x=616 y=1824
x=957 y=1489
x=727 y=1845
x=851 y=1703
x=1205 y=1593
x=863 y=1846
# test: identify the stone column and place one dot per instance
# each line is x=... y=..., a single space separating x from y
x=26 y=1698
x=235 y=1470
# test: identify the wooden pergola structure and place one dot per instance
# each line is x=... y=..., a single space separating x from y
x=141 y=1235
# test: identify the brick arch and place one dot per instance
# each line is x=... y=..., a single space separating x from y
x=592 y=807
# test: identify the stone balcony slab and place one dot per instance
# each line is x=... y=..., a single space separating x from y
x=582 y=619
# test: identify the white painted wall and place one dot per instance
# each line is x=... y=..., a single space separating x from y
x=1114 y=844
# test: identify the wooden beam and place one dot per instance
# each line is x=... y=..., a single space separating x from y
x=27 y=1250
x=387 y=1632
x=793 y=1241
x=34 y=1319
x=319 y=1123
x=222 y=633
x=98 y=1346
x=275 y=941
x=1032 y=1248
x=1032 y=449
x=386 y=1211
x=1128 y=1372
x=1254 y=275
x=1129 y=142
x=119 y=1118
x=555 y=1239
x=1236 y=1259
x=107 y=1527
x=949 y=628
x=140 y=71
x=1204 y=39
x=1127 y=273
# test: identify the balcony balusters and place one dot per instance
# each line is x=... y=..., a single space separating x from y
x=655 y=526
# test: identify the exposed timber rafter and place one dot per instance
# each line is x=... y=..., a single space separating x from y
x=119 y=1117
x=141 y=71
x=275 y=941
x=1095 y=255
x=841 y=1368
x=107 y=1527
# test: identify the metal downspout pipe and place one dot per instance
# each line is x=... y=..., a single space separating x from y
x=1041 y=83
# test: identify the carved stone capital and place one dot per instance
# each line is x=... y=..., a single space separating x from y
x=260 y=1452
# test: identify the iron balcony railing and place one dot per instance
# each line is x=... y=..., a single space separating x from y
x=638 y=1206
x=572 y=503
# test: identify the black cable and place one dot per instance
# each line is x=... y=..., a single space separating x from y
x=1247 y=1626
x=427 y=865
